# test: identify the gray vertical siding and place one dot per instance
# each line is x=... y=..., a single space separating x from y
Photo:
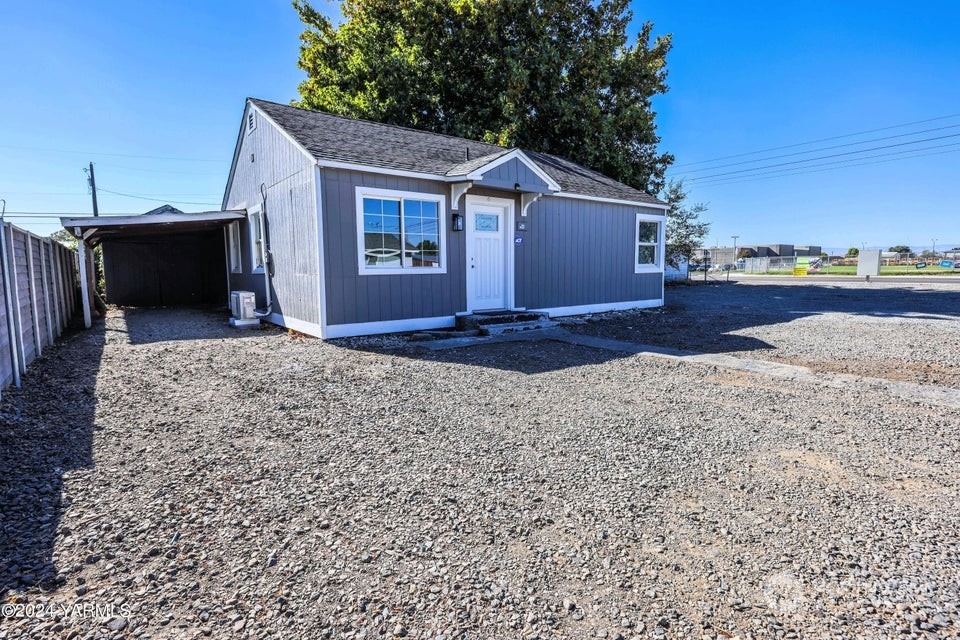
x=511 y=173
x=291 y=220
x=577 y=252
x=354 y=298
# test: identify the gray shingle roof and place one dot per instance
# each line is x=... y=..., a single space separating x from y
x=337 y=138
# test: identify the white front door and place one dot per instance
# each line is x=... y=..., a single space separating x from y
x=487 y=264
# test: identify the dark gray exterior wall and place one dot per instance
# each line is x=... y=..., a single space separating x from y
x=574 y=252
x=287 y=173
x=353 y=298
x=511 y=173
x=577 y=252
x=165 y=270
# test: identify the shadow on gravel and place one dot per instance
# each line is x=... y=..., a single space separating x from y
x=144 y=325
x=46 y=429
x=529 y=357
x=706 y=317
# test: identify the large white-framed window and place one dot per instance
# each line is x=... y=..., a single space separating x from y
x=255 y=230
x=233 y=246
x=649 y=245
x=400 y=232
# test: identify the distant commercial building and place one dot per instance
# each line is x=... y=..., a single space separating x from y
x=725 y=255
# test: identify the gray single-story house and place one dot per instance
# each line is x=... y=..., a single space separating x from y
x=355 y=228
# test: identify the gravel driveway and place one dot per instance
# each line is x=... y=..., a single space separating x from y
x=166 y=477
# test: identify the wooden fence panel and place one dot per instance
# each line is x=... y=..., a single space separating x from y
x=37 y=300
x=6 y=346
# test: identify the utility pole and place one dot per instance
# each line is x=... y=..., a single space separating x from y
x=92 y=181
x=734 y=261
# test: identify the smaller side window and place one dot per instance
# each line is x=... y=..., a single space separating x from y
x=648 y=250
x=255 y=228
x=233 y=241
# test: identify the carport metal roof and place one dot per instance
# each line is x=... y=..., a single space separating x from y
x=93 y=229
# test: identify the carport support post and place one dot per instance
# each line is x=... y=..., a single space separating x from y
x=84 y=292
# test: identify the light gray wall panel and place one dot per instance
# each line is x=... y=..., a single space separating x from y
x=352 y=298
x=291 y=220
x=578 y=252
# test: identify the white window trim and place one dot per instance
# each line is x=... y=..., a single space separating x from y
x=660 y=245
x=367 y=270
x=233 y=246
x=255 y=212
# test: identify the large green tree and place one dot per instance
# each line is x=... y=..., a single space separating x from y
x=685 y=230
x=557 y=76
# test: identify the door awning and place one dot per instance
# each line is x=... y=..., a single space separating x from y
x=94 y=229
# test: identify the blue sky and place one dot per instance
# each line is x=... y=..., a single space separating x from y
x=152 y=93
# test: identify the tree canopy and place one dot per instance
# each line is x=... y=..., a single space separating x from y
x=900 y=248
x=555 y=76
x=853 y=252
x=685 y=231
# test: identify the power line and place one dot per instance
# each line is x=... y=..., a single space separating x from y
x=63 y=214
x=839 y=162
x=800 y=144
x=801 y=171
x=163 y=171
x=833 y=155
x=130 y=195
x=112 y=155
x=836 y=146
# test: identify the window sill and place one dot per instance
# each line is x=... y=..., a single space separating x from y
x=409 y=271
x=647 y=268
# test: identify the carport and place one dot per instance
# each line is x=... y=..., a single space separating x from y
x=161 y=258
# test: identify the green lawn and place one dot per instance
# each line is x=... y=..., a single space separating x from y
x=905 y=270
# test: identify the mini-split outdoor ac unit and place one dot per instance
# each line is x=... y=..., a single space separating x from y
x=243 y=305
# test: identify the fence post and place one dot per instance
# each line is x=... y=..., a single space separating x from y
x=50 y=294
x=84 y=293
x=48 y=315
x=6 y=247
x=34 y=306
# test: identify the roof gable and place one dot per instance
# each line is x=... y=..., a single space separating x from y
x=365 y=145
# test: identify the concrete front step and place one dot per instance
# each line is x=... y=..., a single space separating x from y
x=498 y=322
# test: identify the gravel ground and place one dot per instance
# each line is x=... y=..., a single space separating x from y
x=167 y=477
x=883 y=330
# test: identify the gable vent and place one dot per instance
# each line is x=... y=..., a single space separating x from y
x=251 y=121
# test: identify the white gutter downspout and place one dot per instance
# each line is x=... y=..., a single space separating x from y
x=7 y=293
x=264 y=252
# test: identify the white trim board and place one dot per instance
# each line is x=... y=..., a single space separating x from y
x=321 y=251
x=387 y=326
x=582 y=309
x=630 y=203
